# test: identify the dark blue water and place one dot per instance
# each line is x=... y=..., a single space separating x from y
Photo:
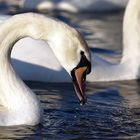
x=113 y=109
x=112 y=112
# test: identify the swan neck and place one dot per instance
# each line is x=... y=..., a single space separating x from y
x=131 y=32
x=14 y=94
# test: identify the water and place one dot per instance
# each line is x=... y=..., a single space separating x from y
x=113 y=108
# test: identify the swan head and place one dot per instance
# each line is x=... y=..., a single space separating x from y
x=74 y=55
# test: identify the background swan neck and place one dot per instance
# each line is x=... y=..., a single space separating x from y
x=131 y=33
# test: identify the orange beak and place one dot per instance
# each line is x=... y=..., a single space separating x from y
x=79 y=83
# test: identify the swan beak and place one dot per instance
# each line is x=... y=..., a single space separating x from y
x=79 y=83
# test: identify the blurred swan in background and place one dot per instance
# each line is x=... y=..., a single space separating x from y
x=18 y=104
x=73 y=5
x=129 y=67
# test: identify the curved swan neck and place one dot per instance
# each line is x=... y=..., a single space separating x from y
x=15 y=96
x=17 y=27
x=37 y=27
x=60 y=37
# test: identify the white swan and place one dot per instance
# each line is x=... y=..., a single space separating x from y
x=129 y=66
x=74 y=5
x=18 y=104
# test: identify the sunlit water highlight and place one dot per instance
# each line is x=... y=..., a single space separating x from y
x=113 y=109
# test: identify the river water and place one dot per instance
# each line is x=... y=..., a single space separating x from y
x=113 y=108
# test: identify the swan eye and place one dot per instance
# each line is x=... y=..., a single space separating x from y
x=82 y=53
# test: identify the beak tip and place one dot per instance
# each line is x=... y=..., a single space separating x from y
x=82 y=102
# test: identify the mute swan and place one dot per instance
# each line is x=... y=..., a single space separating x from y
x=128 y=68
x=19 y=105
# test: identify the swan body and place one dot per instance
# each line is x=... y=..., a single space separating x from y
x=74 y=5
x=18 y=104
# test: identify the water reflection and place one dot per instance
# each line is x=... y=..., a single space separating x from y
x=118 y=106
x=19 y=132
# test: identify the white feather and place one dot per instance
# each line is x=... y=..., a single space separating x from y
x=19 y=105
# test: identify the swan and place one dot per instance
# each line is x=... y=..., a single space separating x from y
x=73 y=5
x=128 y=68
x=18 y=104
